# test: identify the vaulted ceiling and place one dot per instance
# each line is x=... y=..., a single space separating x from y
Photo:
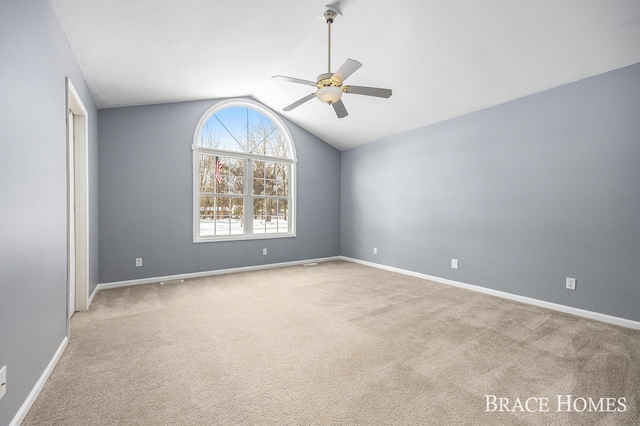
x=441 y=58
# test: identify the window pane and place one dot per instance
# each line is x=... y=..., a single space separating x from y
x=270 y=187
x=279 y=170
x=283 y=216
x=207 y=169
x=236 y=167
x=282 y=188
x=226 y=130
x=214 y=135
x=271 y=210
x=222 y=224
x=258 y=169
x=245 y=130
x=269 y=183
x=271 y=206
x=207 y=218
x=258 y=187
x=258 y=215
x=237 y=216
x=222 y=205
x=221 y=175
x=258 y=206
x=221 y=216
x=221 y=185
x=282 y=179
x=270 y=170
x=236 y=185
x=258 y=225
x=221 y=166
x=276 y=144
x=264 y=135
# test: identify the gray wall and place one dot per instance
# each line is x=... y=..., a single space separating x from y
x=523 y=194
x=35 y=58
x=145 y=197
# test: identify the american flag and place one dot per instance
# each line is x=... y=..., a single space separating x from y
x=218 y=170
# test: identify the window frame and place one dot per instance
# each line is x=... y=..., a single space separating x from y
x=248 y=159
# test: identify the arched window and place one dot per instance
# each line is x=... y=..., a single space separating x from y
x=244 y=174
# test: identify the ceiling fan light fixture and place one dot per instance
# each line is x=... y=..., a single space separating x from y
x=329 y=94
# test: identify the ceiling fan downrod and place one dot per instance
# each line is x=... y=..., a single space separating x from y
x=329 y=17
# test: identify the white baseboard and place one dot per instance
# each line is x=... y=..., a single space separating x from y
x=93 y=296
x=26 y=406
x=128 y=283
x=528 y=300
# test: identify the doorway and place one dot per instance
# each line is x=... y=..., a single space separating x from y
x=78 y=204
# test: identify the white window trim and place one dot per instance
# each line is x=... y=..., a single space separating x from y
x=292 y=159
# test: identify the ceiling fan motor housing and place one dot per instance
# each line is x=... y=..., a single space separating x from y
x=326 y=79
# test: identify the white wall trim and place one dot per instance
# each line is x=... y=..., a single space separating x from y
x=26 y=405
x=623 y=322
x=128 y=283
x=93 y=296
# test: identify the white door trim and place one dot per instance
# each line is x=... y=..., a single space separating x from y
x=79 y=144
x=72 y=217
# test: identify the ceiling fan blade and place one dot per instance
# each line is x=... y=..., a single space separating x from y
x=349 y=67
x=368 y=91
x=339 y=108
x=295 y=80
x=299 y=102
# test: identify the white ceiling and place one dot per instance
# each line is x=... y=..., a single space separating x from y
x=441 y=58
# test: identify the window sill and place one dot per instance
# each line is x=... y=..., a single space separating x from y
x=242 y=238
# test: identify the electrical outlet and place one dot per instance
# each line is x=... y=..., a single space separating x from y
x=3 y=381
x=138 y=262
x=375 y=250
x=571 y=283
x=454 y=263
x=264 y=251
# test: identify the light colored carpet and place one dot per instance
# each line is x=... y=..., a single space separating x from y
x=337 y=344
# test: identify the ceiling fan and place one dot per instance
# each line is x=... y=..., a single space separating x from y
x=329 y=85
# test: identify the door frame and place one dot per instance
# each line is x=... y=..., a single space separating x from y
x=77 y=144
x=71 y=223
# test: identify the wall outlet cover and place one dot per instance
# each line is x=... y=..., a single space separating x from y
x=571 y=283
x=454 y=263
